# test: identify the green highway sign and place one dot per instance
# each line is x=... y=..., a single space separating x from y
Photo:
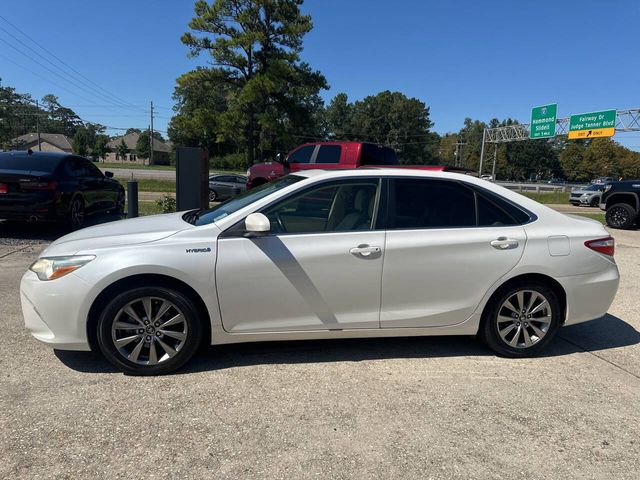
x=593 y=124
x=543 y=121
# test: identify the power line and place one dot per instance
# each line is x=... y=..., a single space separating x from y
x=72 y=82
x=118 y=99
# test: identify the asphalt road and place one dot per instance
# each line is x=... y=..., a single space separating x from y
x=385 y=408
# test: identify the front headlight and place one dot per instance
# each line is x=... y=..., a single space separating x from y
x=607 y=188
x=50 y=268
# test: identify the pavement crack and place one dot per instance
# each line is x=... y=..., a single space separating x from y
x=15 y=251
x=599 y=357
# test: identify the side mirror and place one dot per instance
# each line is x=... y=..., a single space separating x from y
x=279 y=158
x=256 y=224
x=108 y=174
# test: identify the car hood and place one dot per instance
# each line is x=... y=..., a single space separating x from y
x=123 y=232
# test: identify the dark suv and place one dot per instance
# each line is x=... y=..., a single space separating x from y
x=621 y=202
x=47 y=186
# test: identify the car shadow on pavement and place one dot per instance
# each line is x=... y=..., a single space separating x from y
x=12 y=232
x=605 y=333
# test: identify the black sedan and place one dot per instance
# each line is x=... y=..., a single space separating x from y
x=224 y=186
x=47 y=186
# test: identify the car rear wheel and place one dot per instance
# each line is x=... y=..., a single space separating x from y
x=76 y=213
x=213 y=196
x=522 y=320
x=149 y=331
x=620 y=215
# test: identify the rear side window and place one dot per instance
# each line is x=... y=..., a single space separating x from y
x=302 y=155
x=372 y=154
x=494 y=211
x=417 y=203
x=329 y=154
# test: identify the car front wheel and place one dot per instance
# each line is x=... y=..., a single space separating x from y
x=213 y=196
x=149 y=331
x=522 y=320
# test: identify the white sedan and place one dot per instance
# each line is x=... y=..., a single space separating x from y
x=342 y=254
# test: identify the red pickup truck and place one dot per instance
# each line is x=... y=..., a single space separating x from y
x=331 y=156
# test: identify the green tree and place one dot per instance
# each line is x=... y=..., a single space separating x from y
x=101 y=147
x=388 y=118
x=255 y=46
x=143 y=145
x=571 y=158
x=81 y=142
x=122 y=150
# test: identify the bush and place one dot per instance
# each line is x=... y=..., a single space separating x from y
x=167 y=204
x=231 y=161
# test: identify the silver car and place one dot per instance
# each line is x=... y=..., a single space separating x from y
x=225 y=186
x=587 y=196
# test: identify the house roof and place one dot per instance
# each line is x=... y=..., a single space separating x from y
x=57 y=139
x=131 y=140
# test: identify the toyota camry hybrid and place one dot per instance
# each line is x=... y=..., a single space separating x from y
x=324 y=254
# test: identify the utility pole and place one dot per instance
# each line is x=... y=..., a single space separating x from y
x=495 y=157
x=458 y=153
x=484 y=137
x=151 y=137
x=38 y=124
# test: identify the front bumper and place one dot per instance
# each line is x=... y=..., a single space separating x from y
x=603 y=206
x=589 y=296
x=55 y=312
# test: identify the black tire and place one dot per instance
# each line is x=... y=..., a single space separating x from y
x=213 y=196
x=76 y=215
x=490 y=334
x=620 y=215
x=184 y=349
x=594 y=202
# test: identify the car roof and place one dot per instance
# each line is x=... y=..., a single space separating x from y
x=26 y=154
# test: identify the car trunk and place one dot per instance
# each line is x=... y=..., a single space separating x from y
x=24 y=191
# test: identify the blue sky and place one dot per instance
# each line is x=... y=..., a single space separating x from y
x=478 y=59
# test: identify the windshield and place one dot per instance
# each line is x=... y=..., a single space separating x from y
x=205 y=217
x=593 y=188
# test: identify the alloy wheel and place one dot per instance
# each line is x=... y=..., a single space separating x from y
x=618 y=216
x=149 y=330
x=77 y=213
x=524 y=319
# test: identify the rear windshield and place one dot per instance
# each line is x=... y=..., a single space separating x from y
x=28 y=163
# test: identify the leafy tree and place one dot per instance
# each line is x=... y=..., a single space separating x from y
x=143 y=145
x=255 y=46
x=122 y=150
x=571 y=158
x=81 y=142
x=389 y=118
x=101 y=147
x=132 y=130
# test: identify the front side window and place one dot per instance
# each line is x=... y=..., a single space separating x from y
x=205 y=217
x=337 y=207
x=329 y=154
x=418 y=203
x=302 y=155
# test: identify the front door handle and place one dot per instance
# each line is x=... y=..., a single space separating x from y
x=504 y=243
x=364 y=250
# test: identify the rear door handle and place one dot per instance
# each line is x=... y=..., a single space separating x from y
x=504 y=243
x=364 y=250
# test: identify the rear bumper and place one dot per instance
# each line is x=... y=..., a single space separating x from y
x=40 y=211
x=590 y=296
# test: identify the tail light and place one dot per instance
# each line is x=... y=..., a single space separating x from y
x=606 y=245
x=4 y=188
x=39 y=185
